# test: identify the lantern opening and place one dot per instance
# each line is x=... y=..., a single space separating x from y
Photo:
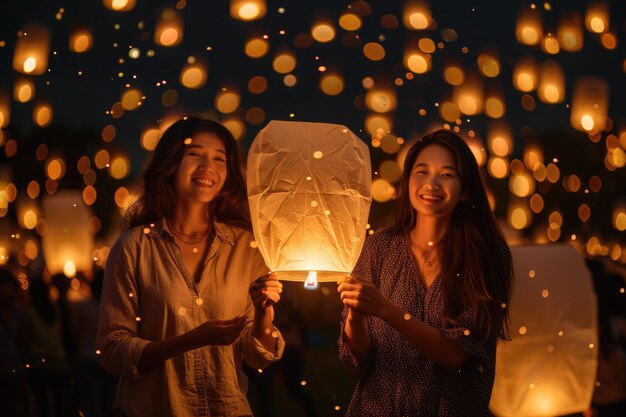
x=311 y=281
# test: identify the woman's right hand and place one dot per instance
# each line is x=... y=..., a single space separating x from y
x=219 y=332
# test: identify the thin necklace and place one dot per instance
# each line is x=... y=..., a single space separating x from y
x=178 y=235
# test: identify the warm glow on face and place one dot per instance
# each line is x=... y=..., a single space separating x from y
x=587 y=122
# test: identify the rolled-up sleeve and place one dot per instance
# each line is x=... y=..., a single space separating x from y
x=467 y=338
x=366 y=270
x=254 y=353
x=119 y=319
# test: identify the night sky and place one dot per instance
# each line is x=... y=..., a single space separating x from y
x=83 y=88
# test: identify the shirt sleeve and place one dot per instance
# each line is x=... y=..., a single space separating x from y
x=365 y=269
x=254 y=353
x=118 y=324
x=466 y=337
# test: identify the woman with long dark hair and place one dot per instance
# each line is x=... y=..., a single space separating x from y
x=187 y=296
x=428 y=298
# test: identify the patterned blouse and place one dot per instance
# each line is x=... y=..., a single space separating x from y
x=396 y=379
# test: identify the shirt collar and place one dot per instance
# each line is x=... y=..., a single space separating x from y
x=222 y=231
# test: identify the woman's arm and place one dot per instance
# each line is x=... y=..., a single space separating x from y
x=212 y=332
x=367 y=299
x=265 y=292
x=356 y=335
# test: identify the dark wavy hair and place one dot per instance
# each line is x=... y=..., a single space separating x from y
x=476 y=264
x=158 y=199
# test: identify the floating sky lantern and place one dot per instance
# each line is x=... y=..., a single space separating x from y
x=416 y=15
x=381 y=100
x=469 y=95
x=309 y=193
x=169 y=28
x=247 y=10
x=551 y=88
x=193 y=75
x=597 y=17
x=525 y=74
x=31 y=50
x=81 y=40
x=23 y=90
x=590 y=102
x=529 y=29
x=549 y=366
x=570 y=32
x=42 y=114
x=68 y=243
x=119 y=5
x=5 y=109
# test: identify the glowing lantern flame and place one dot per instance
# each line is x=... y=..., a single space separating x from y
x=311 y=281
x=590 y=102
x=31 y=50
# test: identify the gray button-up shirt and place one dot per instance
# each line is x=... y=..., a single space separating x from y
x=148 y=295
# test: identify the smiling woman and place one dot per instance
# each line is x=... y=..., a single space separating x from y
x=428 y=298
x=185 y=291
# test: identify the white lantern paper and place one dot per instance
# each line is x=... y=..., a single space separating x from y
x=549 y=366
x=68 y=243
x=309 y=192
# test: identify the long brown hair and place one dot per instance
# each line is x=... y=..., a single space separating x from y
x=476 y=264
x=158 y=199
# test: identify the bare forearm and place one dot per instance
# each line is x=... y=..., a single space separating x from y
x=263 y=328
x=425 y=338
x=357 y=337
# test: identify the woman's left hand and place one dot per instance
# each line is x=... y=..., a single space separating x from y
x=265 y=291
x=362 y=296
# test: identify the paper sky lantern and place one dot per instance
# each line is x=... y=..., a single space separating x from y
x=247 y=9
x=31 y=50
x=551 y=87
x=549 y=366
x=309 y=194
x=119 y=5
x=590 y=104
x=68 y=243
x=5 y=109
x=169 y=28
